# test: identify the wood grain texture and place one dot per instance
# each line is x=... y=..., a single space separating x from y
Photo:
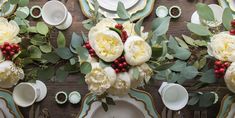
x=76 y=82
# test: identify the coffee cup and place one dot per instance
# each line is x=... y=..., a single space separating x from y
x=25 y=93
x=56 y=14
x=174 y=96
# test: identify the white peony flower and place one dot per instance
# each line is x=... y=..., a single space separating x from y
x=137 y=51
x=107 y=44
x=229 y=77
x=8 y=31
x=145 y=73
x=222 y=47
x=9 y=74
x=121 y=85
x=99 y=80
x=130 y=29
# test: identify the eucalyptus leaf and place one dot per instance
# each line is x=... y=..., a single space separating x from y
x=85 y=67
x=178 y=66
x=51 y=57
x=227 y=18
x=164 y=66
x=5 y=7
x=105 y=106
x=181 y=43
x=21 y=14
x=76 y=40
x=64 y=53
x=42 y=28
x=193 y=100
x=138 y=26
x=46 y=74
x=160 y=26
x=200 y=43
x=156 y=52
x=61 y=42
x=199 y=29
x=45 y=48
x=61 y=75
x=122 y=12
x=23 y=3
x=205 y=12
x=206 y=99
x=110 y=101
x=34 y=52
x=136 y=73
x=13 y=1
x=84 y=37
x=72 y=61
x=189 y=40
x=162 y=75
x=182 y=53
x=208 y=77
x=82 y=52
x=88 y=24
x=189 y=72
x=172 y=44
x=202 y=62
x=32 y=29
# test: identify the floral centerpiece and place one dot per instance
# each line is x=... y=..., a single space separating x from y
x=124 y=53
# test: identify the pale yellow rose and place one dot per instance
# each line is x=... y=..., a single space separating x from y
x=230 y=77
x=121 y=86
x=137 y=51
x=145 y=73
x=9 y=74
x=130 y=29
x=99 y=79
x=222 y=47
x=8 y=31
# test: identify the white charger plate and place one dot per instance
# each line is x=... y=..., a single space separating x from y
x=112 y=4
x=137 y=104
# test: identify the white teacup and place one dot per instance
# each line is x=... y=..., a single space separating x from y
x=25 y=93
x=56 y=14
x=174 y=96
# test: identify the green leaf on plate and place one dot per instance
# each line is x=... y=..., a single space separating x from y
x=227 y=18
x=178 y=66
x=138 y=26
x=82 y=52
x=42 y=28
x=122 y=12
x=34 y=52
x=160 y=26
x=61 y=42
x=208 y=77
x=189 y=40
x=85 y=67
x=199 y=29
x=205 y=12
x=189 y=72
x=64 y=53
x=61 y=75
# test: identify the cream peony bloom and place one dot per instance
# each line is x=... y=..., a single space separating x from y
x=145 y=73
x=9 y=74
x=8 y=31
x=130 y=29
x=137 y=51
x=121 y=86
x=229 y=77
x=99 y=80
x=222 y=47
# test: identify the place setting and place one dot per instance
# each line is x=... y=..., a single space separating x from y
x=123 y=60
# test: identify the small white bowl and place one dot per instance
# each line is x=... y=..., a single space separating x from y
x=74 y=97
x=161 y=11
x=36 y=7
x=175 y=16
x=57 y=99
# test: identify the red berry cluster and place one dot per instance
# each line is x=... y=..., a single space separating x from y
x=90 y=50
x=220 y=68
x=124 y=35
x=9 y=50
x=232 y=31
x=120 y=65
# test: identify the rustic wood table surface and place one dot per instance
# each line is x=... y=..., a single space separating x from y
x=76 y=82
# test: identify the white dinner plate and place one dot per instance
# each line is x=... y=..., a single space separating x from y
x=112 y=4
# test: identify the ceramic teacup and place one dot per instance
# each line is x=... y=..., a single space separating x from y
x=174 y=96
x=25 y=93
x=56 y=14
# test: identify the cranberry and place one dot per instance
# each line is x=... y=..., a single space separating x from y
x=116 y=61
x=117 y=70
x=120 y=65
x=12 y=53
x=218 y=63
x=6 y=44
x=8 y=48
x=232 y=31
x=123 y=70
x=119 y=26
x=233 y=22
x=88 y=46
x=221 y=70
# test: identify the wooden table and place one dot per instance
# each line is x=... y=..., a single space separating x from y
x=76 y=82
